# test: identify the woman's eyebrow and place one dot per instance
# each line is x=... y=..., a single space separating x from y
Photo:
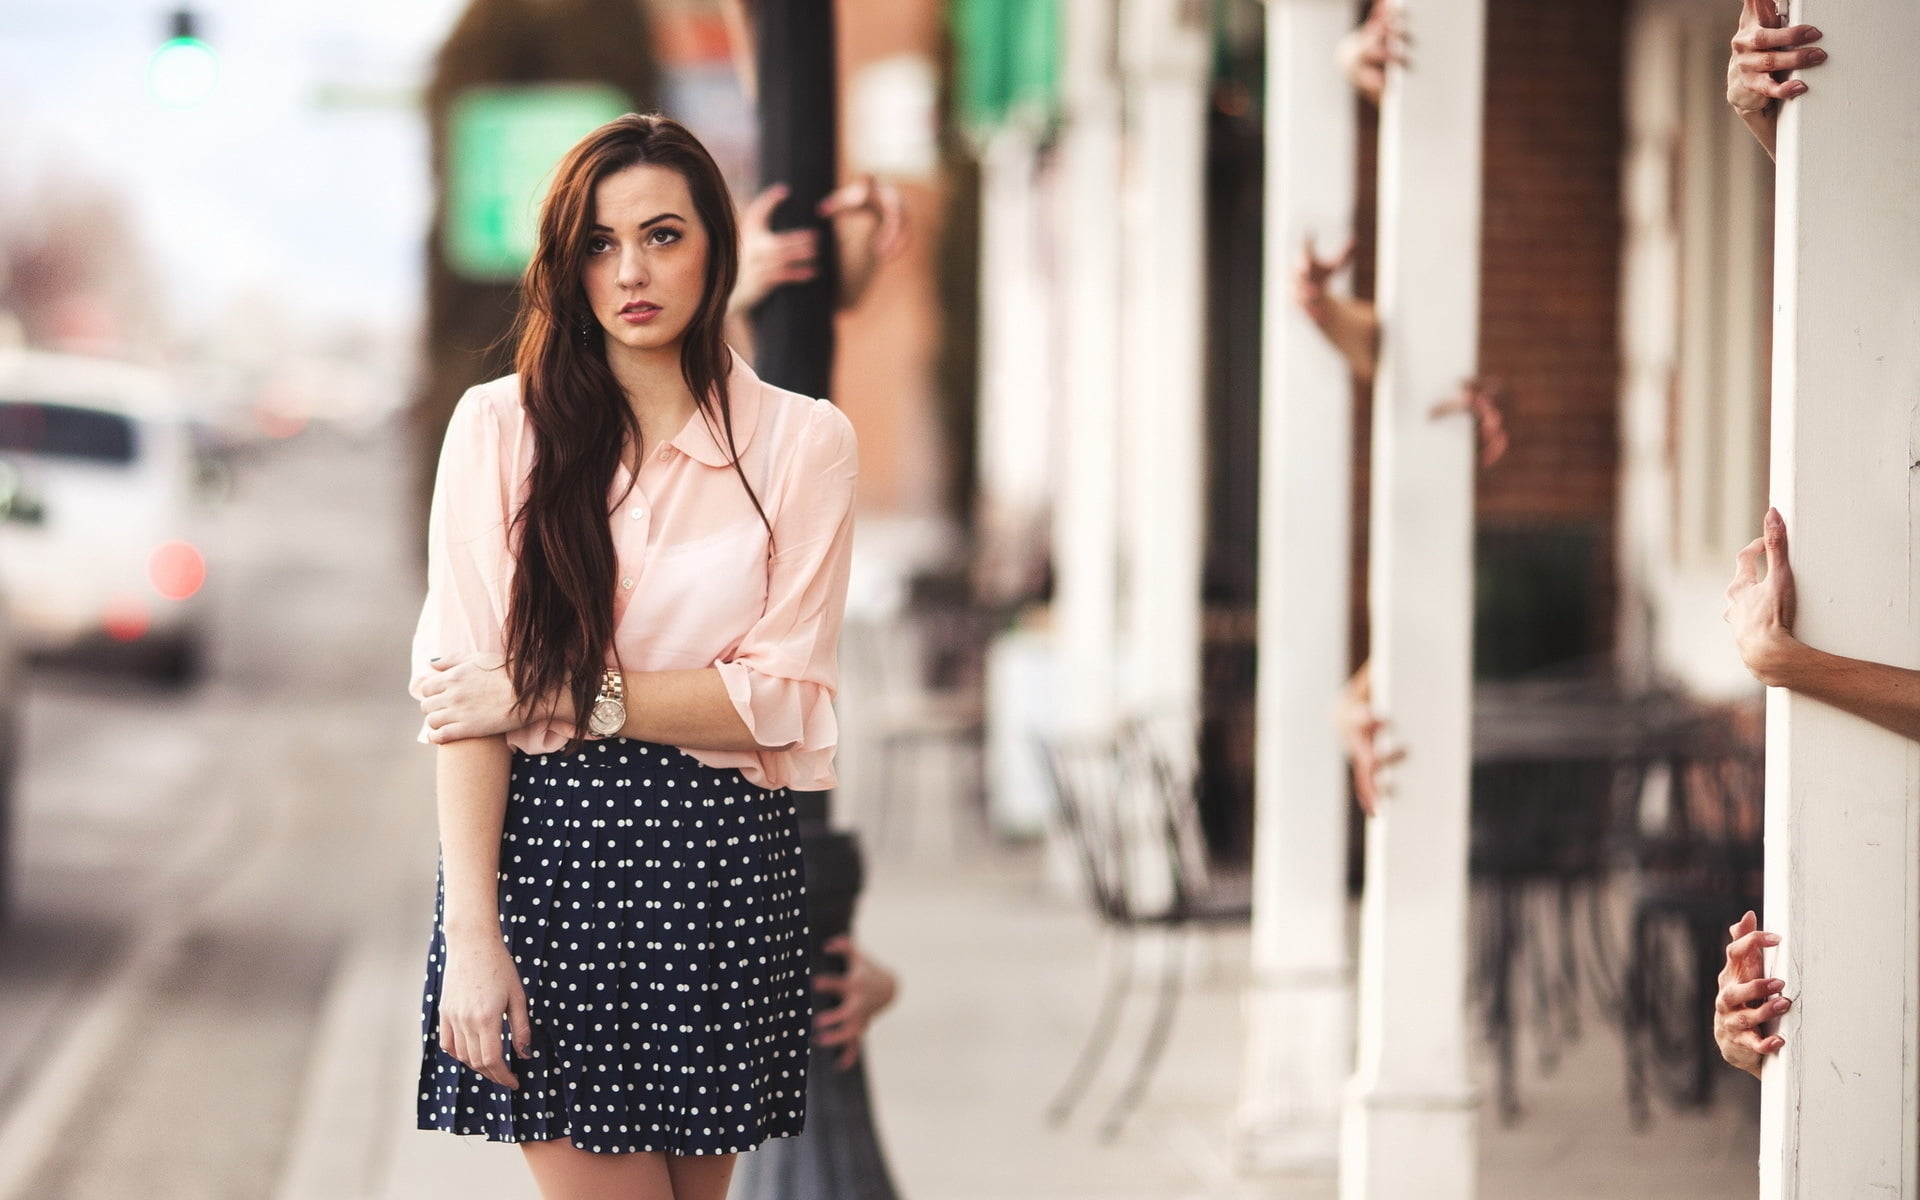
x=646 y=224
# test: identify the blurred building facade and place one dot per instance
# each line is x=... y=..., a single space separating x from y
x=1625 y=303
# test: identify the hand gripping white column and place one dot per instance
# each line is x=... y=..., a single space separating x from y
x=1838 y=1113
x=1409 y=1128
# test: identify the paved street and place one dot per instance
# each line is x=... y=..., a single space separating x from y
x=197 y=866
x=208 y=987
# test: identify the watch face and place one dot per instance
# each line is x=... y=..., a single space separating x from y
x=607 y=717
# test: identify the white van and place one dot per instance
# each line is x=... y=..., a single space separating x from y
x=101 y=545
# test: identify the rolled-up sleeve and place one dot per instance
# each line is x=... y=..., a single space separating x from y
x=783 y=674
x=469 y=569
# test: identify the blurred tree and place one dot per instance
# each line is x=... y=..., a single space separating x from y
x=75 y=274
x=496 y=43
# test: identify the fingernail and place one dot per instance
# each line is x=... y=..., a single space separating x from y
x=1812 y=35
x=1769 y=939
x=1774 y=985
x=1781 y=1004
x=1816 y=56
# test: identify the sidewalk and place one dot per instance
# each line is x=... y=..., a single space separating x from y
x=999 y=981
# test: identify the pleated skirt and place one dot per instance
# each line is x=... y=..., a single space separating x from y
x=655 y=910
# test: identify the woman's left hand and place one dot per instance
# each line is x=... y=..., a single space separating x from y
x=864 y=990
x=1484 y=399
x=1366 y=53
x=878 y=202
x=1364 y=733
x=469 y=696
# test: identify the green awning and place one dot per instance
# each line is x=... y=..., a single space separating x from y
x=1008 y=64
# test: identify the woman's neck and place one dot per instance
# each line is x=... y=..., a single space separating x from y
x=655 y=389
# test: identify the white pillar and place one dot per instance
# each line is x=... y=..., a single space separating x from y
x=1015 y=420
x=1649 y=333
x=1013 y=437
x=1409 y=1128
x=1300 y=1004
x=1163 y=255
x=1085 y=518
x=1838 y=1111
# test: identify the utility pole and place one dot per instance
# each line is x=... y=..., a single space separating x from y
x=798 y=97
x=799 y=146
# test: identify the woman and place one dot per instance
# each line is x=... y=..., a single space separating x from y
x=648 y=535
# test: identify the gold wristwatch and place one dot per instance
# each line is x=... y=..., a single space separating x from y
x=609 y=714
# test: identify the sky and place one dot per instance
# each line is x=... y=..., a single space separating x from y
x=263 y=189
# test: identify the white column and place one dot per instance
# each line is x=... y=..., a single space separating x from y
x=1015 y=365
x=1838 y=1112
x=1085 y=519
x=1300 y=1004
x=1409 y=1128
x=1015 y=468
x=1649 y=333
x=1163 y=255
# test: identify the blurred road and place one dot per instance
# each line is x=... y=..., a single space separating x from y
x=195 y=867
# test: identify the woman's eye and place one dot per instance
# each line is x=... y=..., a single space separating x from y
x=663 y=236
x=598 y=245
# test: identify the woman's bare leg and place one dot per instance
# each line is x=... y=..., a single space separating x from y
x=562 y=1171
x=700 y=1176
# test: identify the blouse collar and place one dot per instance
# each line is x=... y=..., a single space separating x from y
x=708 y=446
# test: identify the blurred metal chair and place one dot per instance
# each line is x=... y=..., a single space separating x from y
x=1552 y=776
x=926 y=701
x=1129 y=808
x=1577 y=790
x=1696 y=853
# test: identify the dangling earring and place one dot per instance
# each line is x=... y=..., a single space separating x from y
x=584 y=329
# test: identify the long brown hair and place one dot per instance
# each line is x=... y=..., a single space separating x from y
x=560 y=614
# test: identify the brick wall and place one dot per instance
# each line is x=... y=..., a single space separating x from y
x=1550 y=274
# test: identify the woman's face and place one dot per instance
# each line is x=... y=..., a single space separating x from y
x=646 y=265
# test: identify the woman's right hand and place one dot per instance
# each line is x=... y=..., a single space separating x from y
x=478 y=990
x=469 y=696
x=1748 y=1000
x=770 y=258
x=1765 y=50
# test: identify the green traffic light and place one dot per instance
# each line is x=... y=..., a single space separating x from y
x=183 y=72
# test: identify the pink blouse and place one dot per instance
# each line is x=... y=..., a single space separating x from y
x=699 y=585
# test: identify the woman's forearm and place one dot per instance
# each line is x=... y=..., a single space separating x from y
x=470 y=788
x=1765 y=123
x=684 y=708
x=1888 y=696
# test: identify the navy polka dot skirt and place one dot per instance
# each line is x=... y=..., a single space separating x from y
x=655 y=910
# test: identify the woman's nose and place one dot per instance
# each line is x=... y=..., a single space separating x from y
x=633 y=268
